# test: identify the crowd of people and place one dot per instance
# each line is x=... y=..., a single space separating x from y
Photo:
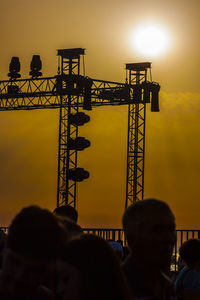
x=47 y=256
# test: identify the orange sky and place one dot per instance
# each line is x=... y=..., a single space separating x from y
x=29 y=139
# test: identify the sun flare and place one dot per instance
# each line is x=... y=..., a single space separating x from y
x=151 y=40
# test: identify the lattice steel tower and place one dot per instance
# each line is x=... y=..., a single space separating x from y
x=137 y=76
x=69 y=92
x=69 y=66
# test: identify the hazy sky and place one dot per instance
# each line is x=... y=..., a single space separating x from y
x=29 y=139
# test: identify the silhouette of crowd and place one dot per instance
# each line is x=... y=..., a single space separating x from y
x=47 y=256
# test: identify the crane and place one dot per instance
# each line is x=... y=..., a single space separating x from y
x=73 y=93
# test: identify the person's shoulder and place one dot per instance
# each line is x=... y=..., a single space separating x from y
x=191 y=280
x=181 y=275
x=193 y=273
x=130 y=269
x=135 y=280
x=188 y=274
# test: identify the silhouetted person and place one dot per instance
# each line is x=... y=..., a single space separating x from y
x=68 y=216
x=33 y=244
x=149 y=227
x=3 y=239
x=188 y=280
x=89 y=270
x=67 y=211
x=73 y=230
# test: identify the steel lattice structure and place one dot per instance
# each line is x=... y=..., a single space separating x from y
x=136 y=139
x=69 y=92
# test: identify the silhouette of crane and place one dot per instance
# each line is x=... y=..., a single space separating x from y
x=69 y=91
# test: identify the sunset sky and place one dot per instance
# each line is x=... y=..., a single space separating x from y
x=106 y=29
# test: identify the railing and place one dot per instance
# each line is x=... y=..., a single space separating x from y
x=186 y=234
x=107 y=233
x=118 y=234
x=182 y=235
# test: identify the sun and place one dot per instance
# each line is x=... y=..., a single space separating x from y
x=150 y=40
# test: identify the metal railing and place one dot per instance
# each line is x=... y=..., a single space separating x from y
x=182 y=235
x=114 y=234
x=118 y=234
x=107 y=233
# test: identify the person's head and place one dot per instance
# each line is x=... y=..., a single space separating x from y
x=94 y=271
x=33 y=243
x=73 y=230
x=190 y=252
x=149 y=227
x=67 y=211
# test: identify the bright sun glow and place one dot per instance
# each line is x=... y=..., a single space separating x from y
x=151 y=40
